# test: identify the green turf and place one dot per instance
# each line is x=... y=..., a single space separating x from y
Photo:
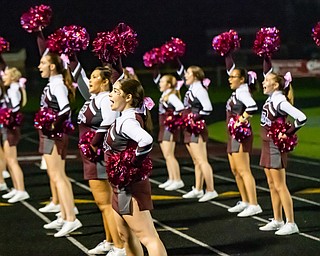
x=308 y=136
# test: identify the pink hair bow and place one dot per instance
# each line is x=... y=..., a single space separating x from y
x=252 y=76
x=22 y=82
x=179 y=84
x=148 y=103
x=130 y=70
x=75 y=85
x=288 y=79
x=65 y=60
x=206 y=82
x=1 y=73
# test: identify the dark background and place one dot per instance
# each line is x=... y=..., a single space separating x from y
x=196 y=22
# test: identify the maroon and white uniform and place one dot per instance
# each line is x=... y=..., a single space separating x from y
x=172 y=106
x=197 y=101
x=55 y=97
x=127 y=132
x=240 y=101
x=12 y=100
x=277 y=107
x=95 y=115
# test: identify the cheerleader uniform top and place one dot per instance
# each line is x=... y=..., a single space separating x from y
x=12 y=99
x=241 y=101
x=55 y=97
x=173 y=103
x=197 y=99
x=278 y=107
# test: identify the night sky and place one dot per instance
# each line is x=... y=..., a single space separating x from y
x=196 y=22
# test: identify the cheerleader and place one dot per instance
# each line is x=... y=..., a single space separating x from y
x=197 y=102
x=132 y=200
x=241 y=106
x=14 y=99
x=276 y=109
x=56 y=97
x=96 y=115
x=170 y=105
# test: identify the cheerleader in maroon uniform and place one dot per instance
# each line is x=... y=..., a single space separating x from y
x=276 y=109
x=132 y=191
x=96 y=116
x=169 y=106
x=54 y=141
x=239 y=109
x=197 y=102
x=13 y=101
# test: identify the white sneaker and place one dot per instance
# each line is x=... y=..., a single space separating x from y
x=239 y=207
x=250 y=211
x=5 y=174
x=43 y=164
x=51 y=207
x=19 y=196
x=175 y=185
x=116 y=252
x=194 y=193
x=287 y=229
x=10 y=194
x=68 y=227
x=272 y=225
x=101 y=248
x=165 y=184
x=56 y=224
x=208 y=196
x=75 y=209
x=3 y=186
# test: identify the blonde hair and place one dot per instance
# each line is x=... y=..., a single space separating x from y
x=15 y=76
x=287 y=91
x=173 y=83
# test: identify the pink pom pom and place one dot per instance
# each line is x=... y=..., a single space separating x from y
x=192 y=123
x=267 y=41
x=284 y=144
x=68 y=40
x=316 y=34
x=173 y=122
x=4 y=45
x=226 y=42
x=121 y=171
x=86 y=149
x=104 y=47
x=241 y=131
x=153 y=57
x=36 y=18
x=172 y=49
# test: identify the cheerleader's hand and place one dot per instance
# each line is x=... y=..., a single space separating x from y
x=282 y=135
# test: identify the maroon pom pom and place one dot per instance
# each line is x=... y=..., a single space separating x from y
x=4 y=45
x=316 y=34
x=173 y=122
x=109 y=46
x=284 y=144
x=241 y=131
x=267 y=41
x=44 y=119
x=225 y=42
x=193 y=124
x=153 y=57
x=121 y=171
x=68 y=40
x=172 y=49
x=36 y=18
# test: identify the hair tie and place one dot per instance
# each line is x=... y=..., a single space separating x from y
x=22 y=82
x=288 y=79
x=130 y=70
x=206 y=82
x=252 y=77
x=148 y=103
x=179 y=85
x=65 y=60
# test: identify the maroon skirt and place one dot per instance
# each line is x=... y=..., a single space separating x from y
x=46 y=144
x=13 y=136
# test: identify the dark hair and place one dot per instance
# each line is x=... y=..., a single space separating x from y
x=67 y=78
x=287 y=91
x=134 y=87
x=244 y=73
x=105 y=73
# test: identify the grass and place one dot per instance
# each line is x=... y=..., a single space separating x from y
x=308 y=136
